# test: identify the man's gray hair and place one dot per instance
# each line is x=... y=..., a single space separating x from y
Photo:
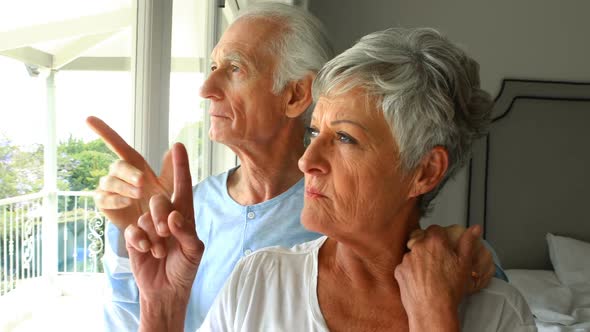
x=302 y=48
x=428 y=88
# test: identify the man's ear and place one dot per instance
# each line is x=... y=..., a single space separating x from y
x=299 y=96
x=431 y=171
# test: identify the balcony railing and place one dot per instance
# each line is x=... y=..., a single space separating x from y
x=76 y=230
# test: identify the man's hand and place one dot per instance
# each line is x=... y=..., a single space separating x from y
x=165 y=273
x=123 y=195
x=483 y=268
x=433 y=278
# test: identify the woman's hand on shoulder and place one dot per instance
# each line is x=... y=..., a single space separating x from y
x=434 y=275
x=483 y=267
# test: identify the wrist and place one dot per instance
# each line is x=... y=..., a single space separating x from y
x=434 y=319
x=162 y=314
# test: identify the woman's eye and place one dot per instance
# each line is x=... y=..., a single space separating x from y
x=312 y=132
x=213 y=68
x=345 y=138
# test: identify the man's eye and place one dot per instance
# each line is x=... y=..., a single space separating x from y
x=345 y=138
x=235 y=68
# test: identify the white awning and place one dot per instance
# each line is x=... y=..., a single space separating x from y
x=92 y=35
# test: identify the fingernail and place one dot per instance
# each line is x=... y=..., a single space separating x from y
x=476 y=231
x=124 y=200
x=144 y=245
x=162 y=227
x=178 y=222
x=159 y=252
x=135 y=178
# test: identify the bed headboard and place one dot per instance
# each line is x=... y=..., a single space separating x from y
x=531 y=174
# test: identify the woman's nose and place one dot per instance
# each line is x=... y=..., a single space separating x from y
x=315 y=160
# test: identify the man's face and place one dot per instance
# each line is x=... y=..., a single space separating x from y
x=244 y=110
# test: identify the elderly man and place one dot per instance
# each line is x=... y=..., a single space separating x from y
x=260 y=88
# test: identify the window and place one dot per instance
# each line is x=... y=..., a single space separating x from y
x=189 y=59
x=61 y=61
x=21 y=149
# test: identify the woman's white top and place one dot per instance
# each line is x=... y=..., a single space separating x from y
x=275 y=289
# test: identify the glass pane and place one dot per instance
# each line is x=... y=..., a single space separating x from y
x=98 y=83
x=187 y=109
x=21 y=133
x=82 y=158
x=78 y=55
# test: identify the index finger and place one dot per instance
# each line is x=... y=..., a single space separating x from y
x=115 y=142
x=468 y=241
x=183 y=189
x=416 y=235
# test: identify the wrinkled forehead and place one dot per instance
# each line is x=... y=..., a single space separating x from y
x=248 y=39
x=356 y=101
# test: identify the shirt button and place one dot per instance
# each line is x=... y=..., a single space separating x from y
x=251 y=215
x=247 y=252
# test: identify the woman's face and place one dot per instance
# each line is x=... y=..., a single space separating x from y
x=353 y=184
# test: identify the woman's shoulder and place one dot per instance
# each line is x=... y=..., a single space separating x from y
x=280 y=259
x=263 y=284
x=283 y=253
x=498 y=307
x=298 y=249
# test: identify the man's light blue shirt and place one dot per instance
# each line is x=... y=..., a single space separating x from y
x=229 y=231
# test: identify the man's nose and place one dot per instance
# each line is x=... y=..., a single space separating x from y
x=211 y=88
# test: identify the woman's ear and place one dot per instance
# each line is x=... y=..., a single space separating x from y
x=431 y=171
x=299 y=96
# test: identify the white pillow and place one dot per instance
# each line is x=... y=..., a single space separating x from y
x=549 y=300
x=570 y=259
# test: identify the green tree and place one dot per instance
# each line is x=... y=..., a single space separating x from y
x=21 y=169
x=81 y=165
x=7 y=175
x=29 y=168
x=191 y=136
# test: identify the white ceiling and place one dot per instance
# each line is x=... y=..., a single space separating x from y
x=55 y=33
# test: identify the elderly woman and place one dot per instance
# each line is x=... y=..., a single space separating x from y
x=395 y=118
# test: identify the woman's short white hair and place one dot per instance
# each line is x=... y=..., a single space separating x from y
x=428 y=88
x=302 y=48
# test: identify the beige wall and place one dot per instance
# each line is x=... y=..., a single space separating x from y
x=532 y=39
